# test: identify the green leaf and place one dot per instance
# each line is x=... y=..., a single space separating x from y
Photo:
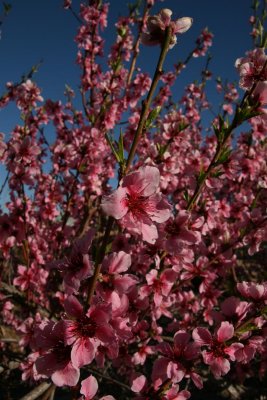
x=216 y=174
x=186 y=195
x=201 y=177
x=121 y=147
x=224 y=157
x=248 y=327
x=152 y=116
x=7 y=8
x=182 y=126
x=114 y=151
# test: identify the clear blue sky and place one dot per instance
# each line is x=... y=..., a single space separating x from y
x=42 y=29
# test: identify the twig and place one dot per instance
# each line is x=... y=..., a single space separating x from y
x=5 y=182
x=108 y=378
x=99 y=258
x=50 y=393
x=147 y=102
x=136 y=45
x=37 y=391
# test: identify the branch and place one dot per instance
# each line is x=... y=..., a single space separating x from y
x=37 y=392
x=147 y=102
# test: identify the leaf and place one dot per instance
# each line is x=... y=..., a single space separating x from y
x=186 y=195
x=248 y=327
x=224 y=157
x=114 y=151
x=7 y=8
x=201 y=177
x=152 y=116
x=121 y=147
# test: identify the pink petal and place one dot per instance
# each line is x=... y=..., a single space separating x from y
x=68 y=376
x=86 y=268
x=165 y=15
x=143 y=226
x=119 y=262
x=138 y=383
x=225 y=332
x=159 y=371
x=229 y=306
x=106 y=334
x=89 y=387
x=123 y=283
x=181 y=338
x=220 y=367
x=83 y=244
x=175 y=371
x=158 y=208
x=48 y=364
x=260 y=92
x=149 y=233
x=197 y=380
x=144 y=181
x=70 y=327
x=191 y=351
x=232 y=349
x=182 y=25
x=114 y=204
x=256 y=291
x=73 y=307
x=82 y=353
x=202 y=336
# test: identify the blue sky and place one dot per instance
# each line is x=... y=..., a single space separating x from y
x=42 y=30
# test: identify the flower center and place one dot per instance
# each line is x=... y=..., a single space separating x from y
x=136 y=203
x=86 y=327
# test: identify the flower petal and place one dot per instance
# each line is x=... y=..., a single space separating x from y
x=114 y=204
x=202 y=336
x=225 y=332
x=182 y=25
x=68 y=376
x=82 y=353
x=144 y=181
x=89 y=387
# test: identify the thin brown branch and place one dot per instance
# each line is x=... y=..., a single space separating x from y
x=136 y=45
x=147 y=102
x=37 y=391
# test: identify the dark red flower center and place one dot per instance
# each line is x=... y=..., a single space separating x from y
x=86 y=327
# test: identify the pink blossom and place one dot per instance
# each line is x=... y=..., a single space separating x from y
x=114 y=285
x=157 y=24
x=176 y=361
x=174 y=394
x=160 y=286
x=260 y=95
x=86 y=332
x=137 y=204
x=251 y=68
x=203 y=42
x=55 y=359
x=67 y=4
x=177 y=232
x=253 y=291
x=77 y=266
x=219 y=351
